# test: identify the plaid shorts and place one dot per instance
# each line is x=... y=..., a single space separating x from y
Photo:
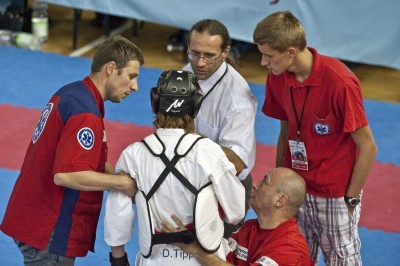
x=328 y=225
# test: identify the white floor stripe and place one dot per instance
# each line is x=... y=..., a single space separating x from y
x=98 y=41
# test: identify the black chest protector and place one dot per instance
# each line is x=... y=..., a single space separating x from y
x=208 y=227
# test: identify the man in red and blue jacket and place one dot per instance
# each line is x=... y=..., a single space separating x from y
x=54 y=208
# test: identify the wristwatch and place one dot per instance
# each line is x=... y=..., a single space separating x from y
x=352 y=201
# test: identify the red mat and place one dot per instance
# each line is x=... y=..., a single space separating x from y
x=379 y=211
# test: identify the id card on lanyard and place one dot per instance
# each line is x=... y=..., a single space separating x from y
x=298 y=155
x=297 y=148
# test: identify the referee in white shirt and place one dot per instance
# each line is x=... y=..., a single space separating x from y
x=229 y=108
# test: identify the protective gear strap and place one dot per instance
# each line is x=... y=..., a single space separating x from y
x=164 y=174
x=207 y=231
x=174 y=237
x=170 y=165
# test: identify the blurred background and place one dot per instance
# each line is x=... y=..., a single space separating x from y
x=77 y=32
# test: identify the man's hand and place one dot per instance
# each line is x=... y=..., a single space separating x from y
x=191 y=248
x=168 y=228
x=128 y=184
x=350 y=208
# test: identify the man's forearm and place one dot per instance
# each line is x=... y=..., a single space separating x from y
x=95 y=181
x=367 y=150
x=233 y=158
x=282 y=143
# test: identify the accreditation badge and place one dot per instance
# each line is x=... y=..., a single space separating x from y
x=299 y=155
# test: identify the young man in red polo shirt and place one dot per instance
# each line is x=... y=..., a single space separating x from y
x=324 y=135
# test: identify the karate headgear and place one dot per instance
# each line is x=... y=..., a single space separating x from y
x=175 y=94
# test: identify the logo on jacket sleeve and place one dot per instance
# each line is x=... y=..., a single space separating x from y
x=241 y=253
x=86 y=138
x=322 y=129
x=42 y=122
x=266 y=261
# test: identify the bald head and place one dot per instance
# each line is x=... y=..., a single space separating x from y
x=292 y=184
x=277 y=197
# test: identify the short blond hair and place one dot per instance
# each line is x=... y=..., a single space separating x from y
x=280 y=31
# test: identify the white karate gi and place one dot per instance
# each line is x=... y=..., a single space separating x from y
x=204 y=163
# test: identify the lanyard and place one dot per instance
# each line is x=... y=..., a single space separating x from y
x=216 y=83
x=298 y=121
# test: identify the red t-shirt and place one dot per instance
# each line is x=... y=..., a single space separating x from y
x=284 y=245
x=333 y=110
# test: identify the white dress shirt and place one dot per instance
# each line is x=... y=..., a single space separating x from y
x=227 y=115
